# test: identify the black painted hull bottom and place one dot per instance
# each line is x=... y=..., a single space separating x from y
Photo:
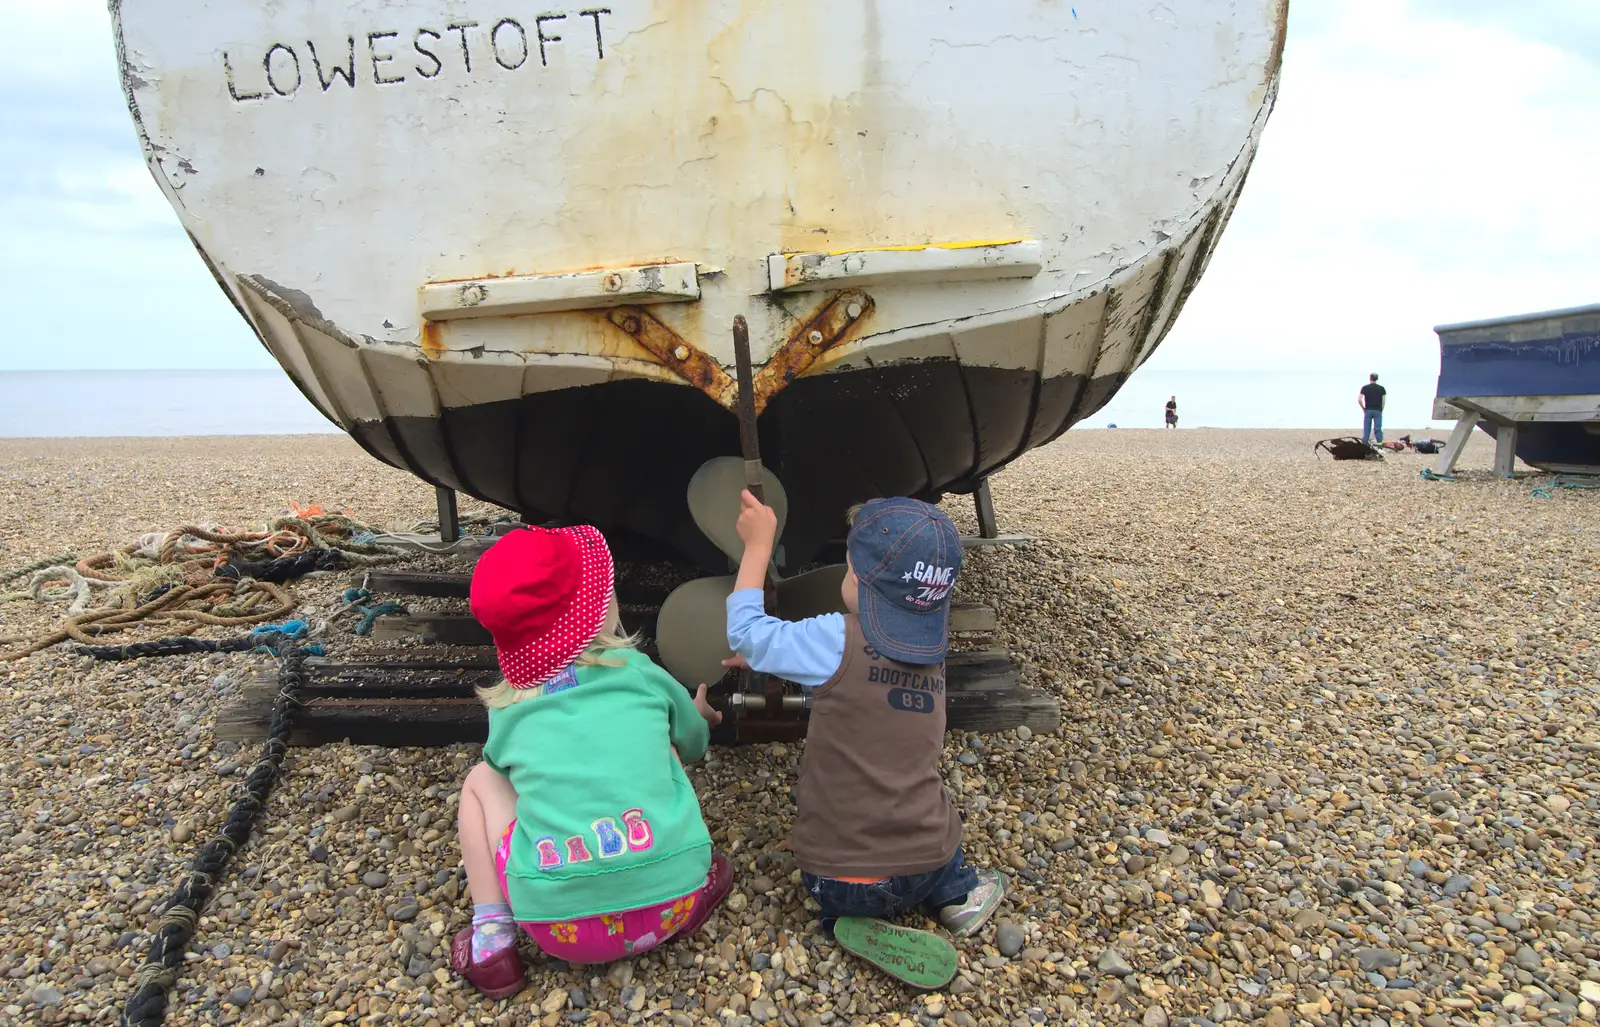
x=620 y=455
x=1553 y=445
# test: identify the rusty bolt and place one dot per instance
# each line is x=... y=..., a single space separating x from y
x=853 y=311
x=815 y=337
x=681 y=353
x=630 y=325
x=472 y=295
x=612 y=282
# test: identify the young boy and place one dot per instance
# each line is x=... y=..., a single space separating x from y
x=875 y=833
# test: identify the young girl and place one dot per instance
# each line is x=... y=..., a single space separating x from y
x=580 y=824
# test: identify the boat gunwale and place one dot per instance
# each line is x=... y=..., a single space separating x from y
x=1514 y=319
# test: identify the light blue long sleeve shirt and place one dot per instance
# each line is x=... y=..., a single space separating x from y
x=807 y=652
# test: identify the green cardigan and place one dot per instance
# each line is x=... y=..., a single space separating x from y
x=606 y=818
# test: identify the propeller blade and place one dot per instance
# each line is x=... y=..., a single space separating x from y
x=811 y=594
x=714 y=501
x=692 y=630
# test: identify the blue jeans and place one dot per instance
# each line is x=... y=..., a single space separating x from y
x=1372 y=424
x=887 y=899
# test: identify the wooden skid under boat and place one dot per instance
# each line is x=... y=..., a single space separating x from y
x=424 y=695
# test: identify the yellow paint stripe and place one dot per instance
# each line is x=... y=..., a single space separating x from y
x=974 y=244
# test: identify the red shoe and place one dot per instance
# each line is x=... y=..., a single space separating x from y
x=499 y=976
x=719 y=882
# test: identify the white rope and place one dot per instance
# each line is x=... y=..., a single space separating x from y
x=79 y=587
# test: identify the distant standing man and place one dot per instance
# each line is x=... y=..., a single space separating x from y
x=1371 y=403
x=1172 y=412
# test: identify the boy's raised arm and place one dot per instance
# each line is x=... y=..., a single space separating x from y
x=806 y=652
x=758 y=530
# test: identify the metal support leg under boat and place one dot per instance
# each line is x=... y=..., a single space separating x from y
x=987 y=528
x=988 y=525
x=1446 y=464
x=449 y=516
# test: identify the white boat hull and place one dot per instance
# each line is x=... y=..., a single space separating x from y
x=505 y=251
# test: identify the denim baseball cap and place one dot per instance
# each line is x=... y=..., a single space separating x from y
x=906 y=554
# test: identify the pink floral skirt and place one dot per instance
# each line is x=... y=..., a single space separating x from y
x=608 y=936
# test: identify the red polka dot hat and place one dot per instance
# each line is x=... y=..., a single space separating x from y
x=543 y=594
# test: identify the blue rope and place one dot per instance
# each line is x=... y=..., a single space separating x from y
x=1430 y=476
x=354 y=597
x=272 y=635
x=370 y=614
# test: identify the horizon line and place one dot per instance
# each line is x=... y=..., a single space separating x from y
x=1155 y=370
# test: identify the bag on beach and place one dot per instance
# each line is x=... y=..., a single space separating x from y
x=1427 y=445
x=1348 y=448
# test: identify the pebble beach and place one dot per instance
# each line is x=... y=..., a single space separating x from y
x=1329 y=754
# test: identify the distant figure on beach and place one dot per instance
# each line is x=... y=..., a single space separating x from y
x=1371 y=403
x=1172 y=412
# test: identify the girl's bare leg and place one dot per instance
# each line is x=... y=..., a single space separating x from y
x=488 y=805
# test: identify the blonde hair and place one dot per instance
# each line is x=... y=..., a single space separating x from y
x=611 y=638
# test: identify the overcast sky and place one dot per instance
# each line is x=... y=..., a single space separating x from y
x=1428 y=161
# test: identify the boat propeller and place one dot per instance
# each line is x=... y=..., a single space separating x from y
x=692 y=628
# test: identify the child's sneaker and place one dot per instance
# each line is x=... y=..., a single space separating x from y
x=921 y=959
x=500 y=975
x=963 y=919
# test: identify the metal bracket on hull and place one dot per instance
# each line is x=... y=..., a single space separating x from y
x=542 y=294
x=833 y=322
x=954 y=262
x=829 y=326
x=686 y=361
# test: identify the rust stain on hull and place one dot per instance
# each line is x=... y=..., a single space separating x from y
x=432 y=340
x=1281 y=34
x=682 y=358
x=834 y=321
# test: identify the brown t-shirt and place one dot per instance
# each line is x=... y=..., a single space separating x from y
x=871 y=802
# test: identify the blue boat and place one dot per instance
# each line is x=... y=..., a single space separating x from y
x=1530 y=381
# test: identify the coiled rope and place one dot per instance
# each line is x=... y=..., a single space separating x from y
x=181 y=913
x=196 y=574
x=171 y=606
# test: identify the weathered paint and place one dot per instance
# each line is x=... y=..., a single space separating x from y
x=1551 y=353
x=358 y=151
x=332 y=160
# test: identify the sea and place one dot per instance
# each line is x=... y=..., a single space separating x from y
x=97 y=404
